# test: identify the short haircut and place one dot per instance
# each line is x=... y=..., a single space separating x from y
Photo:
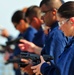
x=17 y=16
x=32 y=12
x=52 y=3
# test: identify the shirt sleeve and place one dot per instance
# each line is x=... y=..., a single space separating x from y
x=30 y=34
x=47 y=69
x=55 y=45
x=16 y=50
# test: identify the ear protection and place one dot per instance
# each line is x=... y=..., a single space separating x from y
x=37 y=21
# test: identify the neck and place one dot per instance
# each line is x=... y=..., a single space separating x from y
x=25 y=28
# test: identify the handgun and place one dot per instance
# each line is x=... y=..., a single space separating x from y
x=15 y=41
x=26 y=55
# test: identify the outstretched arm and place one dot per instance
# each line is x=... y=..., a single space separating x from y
x=29 y=46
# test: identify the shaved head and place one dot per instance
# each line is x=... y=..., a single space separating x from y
x=52 y=3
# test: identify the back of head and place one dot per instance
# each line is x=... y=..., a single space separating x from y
x=67 y=10
x=52 y=3
x=33 y=16
x=17 y=16
x=32 y=11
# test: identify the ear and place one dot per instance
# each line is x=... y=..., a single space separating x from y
x=37 y=21
x=22 y=21
x=54 y=11
x=72 y=20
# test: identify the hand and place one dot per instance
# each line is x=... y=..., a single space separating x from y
x=15 y=65
x=26 y=46
x=36 y=69
x=6 y=56
x=4 y=33
x=27 y=69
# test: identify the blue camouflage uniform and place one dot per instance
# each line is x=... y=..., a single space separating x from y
x=55 y=42
x=29 y=34
x=65 y=64
x=39 y=38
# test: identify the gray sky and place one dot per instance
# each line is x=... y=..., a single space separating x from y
x=7 y=8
